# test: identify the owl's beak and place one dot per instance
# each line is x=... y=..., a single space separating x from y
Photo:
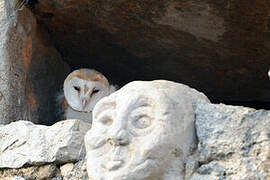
x=84 y=103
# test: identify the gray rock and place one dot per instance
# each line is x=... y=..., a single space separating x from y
x=234 y=142
x=24 y=143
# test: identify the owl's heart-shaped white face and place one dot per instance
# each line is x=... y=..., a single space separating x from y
x=82 y=95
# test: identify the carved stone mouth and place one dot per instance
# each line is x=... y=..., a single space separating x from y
x=115 y=159
x=113 y=165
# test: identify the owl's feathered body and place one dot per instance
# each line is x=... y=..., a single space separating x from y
x=83 y=88
x=73 y=114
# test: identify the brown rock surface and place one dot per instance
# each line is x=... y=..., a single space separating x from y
x=219 y=47
x=45 y=172
x=31 y=68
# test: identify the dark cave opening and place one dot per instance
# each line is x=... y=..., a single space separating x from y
x=117 y=70
x=121 y=67
x=134 y=48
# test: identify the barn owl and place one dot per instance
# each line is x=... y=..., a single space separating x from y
x=83 y=88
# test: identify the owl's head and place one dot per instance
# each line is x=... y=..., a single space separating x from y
x=83 y=88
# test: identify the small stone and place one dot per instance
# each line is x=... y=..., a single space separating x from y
x=78 y=172
x=66 y=169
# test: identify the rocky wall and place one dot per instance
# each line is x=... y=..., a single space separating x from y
x=233 y=143
x=32 y=71
x=220 y=48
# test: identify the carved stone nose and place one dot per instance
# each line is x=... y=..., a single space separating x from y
x=119 y=138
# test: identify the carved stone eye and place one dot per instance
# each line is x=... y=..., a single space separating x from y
x=76 y=88
x=142 y=121
x=107 y=121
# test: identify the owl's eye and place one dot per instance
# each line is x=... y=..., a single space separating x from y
x=95 y=91
x=76 y=88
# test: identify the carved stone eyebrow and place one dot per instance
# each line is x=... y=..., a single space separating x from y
x=141 y=111
x=143 y=101
x=105 y=106
x=142 y=106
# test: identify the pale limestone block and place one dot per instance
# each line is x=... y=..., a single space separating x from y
x=23 y=142
x=144 y=131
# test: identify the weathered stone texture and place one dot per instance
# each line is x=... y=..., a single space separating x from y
x=69 y=171
x=31 y=69
x=75 y=171
x=45 y=172
x=234 y=142
x=143 y=131
x=23 y=143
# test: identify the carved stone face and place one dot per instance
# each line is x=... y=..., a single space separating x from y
x=139 y=132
